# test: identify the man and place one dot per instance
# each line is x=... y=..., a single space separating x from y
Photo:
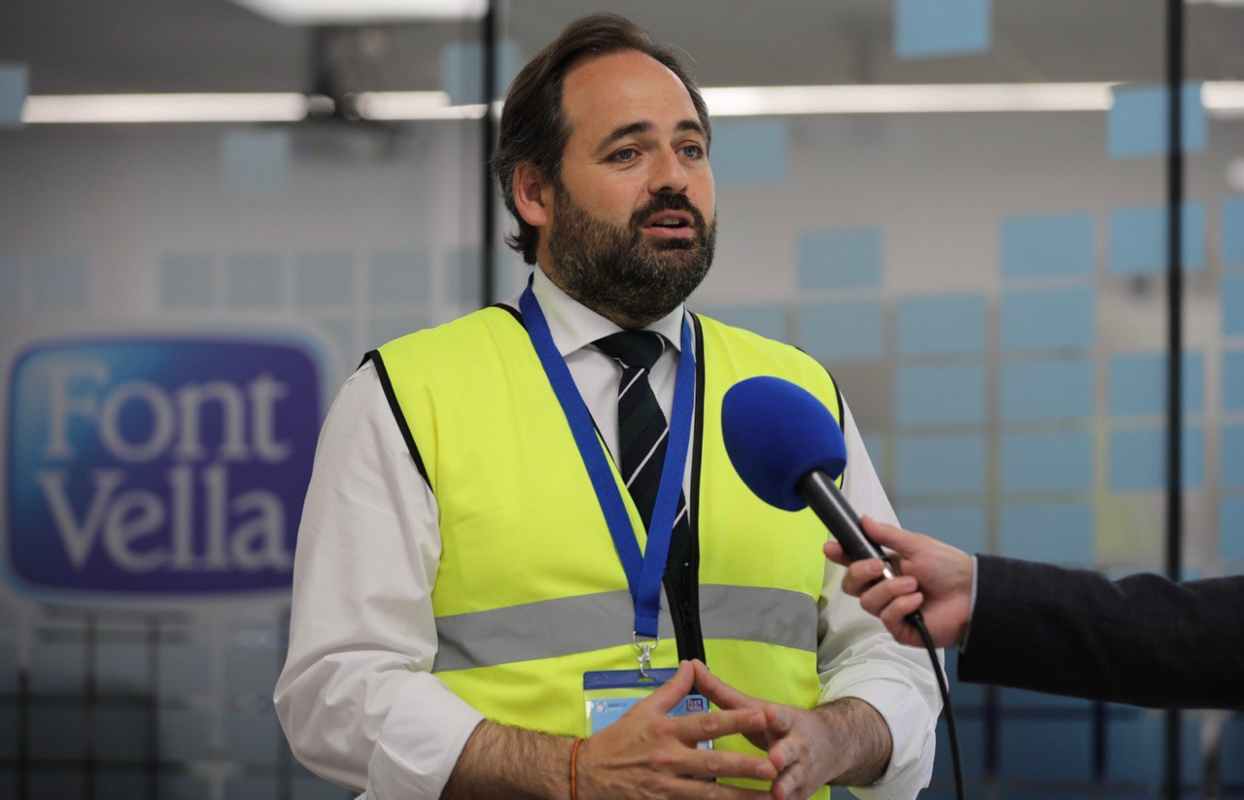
x=1141 y=640
x=472 y=554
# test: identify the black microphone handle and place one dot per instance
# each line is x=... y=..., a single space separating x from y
x=824 y=498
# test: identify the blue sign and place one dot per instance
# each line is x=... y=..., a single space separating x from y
x=158 y=465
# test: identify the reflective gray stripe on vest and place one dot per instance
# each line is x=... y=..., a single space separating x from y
x=597 y=621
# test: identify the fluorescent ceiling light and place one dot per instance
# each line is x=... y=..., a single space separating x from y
x=116 y=108
x=742 y=101
x=310 y=12
x=1222 y=99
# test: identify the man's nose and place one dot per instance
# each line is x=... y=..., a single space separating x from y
x=668 y=175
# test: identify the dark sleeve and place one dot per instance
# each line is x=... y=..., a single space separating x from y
x=1141 y=640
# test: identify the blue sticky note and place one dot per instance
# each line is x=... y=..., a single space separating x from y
x=1231 y=453
x=255 y=160
x=840 y=331
x=1060 y=461
x=187 y=280
x=1047 y=389
x=254 y=279
x=1138 y=123
x=841 y=258
x=1232 y=293
x=1061 y=533
x=768 y=321
x=1138 y=239
x=925 y=28
x=1047 y=245
x=13 y=89
x=462 y=70
x=58 y=281
x=1046 y=750
x=1048 y=319
x=941 y=325
x=399 y=277
x=940 y=395
x=1233 y=381
x=961 y=526
x=1135 y=736
x=1138 y=384
x=750 y=151
x=1231 y=528
x=324 y=279
x=1138 y=459
x=928 y=465
x=1232 y=229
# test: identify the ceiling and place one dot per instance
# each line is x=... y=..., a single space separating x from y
x=215 y=45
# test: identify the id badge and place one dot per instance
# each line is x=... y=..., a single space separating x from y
x=609 y=694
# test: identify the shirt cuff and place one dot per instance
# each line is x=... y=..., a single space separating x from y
x=420 y=743
x=967 y=629
x=913 y=732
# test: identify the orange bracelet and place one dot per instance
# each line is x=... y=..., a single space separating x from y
x=574 y=769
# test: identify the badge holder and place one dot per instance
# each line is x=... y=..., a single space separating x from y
x=609 y=694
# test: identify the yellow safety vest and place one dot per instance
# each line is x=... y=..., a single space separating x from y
x=530 y=594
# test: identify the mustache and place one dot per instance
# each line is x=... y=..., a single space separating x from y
x=668 y=202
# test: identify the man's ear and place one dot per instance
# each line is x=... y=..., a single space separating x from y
x=532 y=194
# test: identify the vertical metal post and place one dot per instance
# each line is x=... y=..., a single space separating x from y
x=488 y=208
x=1174 y=374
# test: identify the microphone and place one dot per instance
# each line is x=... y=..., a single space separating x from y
x=788 y=449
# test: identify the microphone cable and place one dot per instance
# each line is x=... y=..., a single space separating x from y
x=916 y=619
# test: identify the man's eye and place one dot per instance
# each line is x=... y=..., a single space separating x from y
x=624 y=155
x=693 y=151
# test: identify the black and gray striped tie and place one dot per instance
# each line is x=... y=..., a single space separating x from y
x=643 y=431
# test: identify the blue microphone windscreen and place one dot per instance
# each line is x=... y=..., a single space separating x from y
x=777 y=432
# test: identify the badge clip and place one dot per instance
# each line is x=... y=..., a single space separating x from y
x=644 y=645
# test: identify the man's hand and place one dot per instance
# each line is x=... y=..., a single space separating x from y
x=936 y=578
x=845 y=742
x=646 y=754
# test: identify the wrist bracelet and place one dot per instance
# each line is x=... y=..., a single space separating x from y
x=574 y=769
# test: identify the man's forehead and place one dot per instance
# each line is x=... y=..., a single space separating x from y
x=620 y=88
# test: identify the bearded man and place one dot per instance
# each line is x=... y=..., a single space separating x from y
x=524 y=546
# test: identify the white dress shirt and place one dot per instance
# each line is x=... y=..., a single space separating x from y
x=357 y=698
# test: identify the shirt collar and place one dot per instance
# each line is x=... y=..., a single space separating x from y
x=575 y=326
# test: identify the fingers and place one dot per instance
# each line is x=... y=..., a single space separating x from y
x=835 y=553
x=670 y=693
x=716 y=724
x=861 y=575
x=894 y=614
x=720 y=693
x=689 y=788
x=696 y=763
x=892 y=536
x=882 y=593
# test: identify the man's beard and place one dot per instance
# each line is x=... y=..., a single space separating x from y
x=621 y=273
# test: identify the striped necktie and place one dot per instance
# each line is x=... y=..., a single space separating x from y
x=643 y=431
x=642 y=436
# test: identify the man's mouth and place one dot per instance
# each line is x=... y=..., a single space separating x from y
x=670 y=225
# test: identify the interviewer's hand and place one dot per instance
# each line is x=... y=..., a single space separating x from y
x=936 y=578
x=646 y=754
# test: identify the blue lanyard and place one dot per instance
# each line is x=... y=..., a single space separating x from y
x=643 y=572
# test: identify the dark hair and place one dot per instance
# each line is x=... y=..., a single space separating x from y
x=533 y=127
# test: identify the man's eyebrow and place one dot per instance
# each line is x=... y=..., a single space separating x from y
x=644 y=127
x=623 y=132
x=691 y=125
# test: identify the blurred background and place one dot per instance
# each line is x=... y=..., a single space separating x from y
x=971 y=211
